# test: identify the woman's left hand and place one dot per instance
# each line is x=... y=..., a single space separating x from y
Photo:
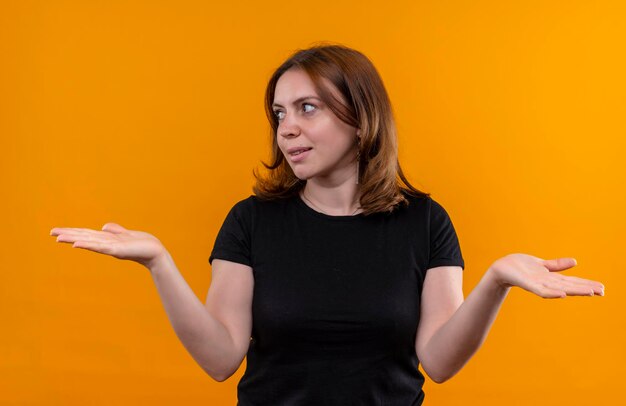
x=539 y=276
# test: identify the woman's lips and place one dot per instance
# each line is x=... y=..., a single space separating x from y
x=299 y=157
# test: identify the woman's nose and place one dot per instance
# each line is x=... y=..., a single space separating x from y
x=288 y=127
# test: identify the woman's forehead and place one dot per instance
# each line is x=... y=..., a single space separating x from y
x=295 y=84
x=294 y=81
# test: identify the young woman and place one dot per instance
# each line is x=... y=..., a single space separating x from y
x=337 y=277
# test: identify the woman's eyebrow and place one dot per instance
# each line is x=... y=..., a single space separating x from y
x=298 y=100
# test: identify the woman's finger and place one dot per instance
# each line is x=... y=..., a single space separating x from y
x=113 y=228
x=559 y=264
x=587 y=281
x=60 y=230
x=85 y=238
x=95 y=236
x=597 y=287
x=570 y=289
x=85 y=232
x=94 y=246
x=107 y=229
x=69 y=230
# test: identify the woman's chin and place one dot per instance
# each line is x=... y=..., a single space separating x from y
x=302 y=175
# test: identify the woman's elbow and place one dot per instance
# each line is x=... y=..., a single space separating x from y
x=217 y=377
x=438 y=379
x=435 y=376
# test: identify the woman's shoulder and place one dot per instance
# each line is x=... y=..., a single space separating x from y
x=255 y=203
x=416 y=200
x=427 y=204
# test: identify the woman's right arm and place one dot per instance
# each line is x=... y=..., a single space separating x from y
x=206 y=338
x=217 y=336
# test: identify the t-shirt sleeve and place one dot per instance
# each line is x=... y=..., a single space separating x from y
x=233 y=240
x=444 y=243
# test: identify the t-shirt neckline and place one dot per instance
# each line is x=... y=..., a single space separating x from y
x=312 y=212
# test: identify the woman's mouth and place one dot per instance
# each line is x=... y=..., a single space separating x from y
x=299 y=155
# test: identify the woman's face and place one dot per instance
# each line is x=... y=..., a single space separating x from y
x=304 y=121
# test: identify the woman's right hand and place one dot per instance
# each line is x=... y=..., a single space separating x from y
x=116 y=241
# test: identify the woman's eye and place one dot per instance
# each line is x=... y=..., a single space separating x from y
x=278 y=113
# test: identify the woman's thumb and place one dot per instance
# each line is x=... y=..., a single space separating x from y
x=560 y=264
x=113 y=228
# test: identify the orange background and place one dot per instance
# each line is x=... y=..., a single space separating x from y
x=150 y=114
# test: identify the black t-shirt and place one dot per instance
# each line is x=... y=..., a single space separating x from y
x=336 y=299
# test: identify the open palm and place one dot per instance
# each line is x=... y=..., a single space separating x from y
x=540 y=276
x=113 y=240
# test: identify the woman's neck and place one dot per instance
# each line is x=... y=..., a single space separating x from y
x=336 y=200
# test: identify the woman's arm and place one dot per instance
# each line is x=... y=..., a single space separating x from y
x=456 y=341
x=203 y=335
x=206 y=339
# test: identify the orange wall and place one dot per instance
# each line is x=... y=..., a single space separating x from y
x=150 y=114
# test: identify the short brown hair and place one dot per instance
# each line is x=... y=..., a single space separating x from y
x=365 y=105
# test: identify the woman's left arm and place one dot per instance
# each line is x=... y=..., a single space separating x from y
x=456 y=341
